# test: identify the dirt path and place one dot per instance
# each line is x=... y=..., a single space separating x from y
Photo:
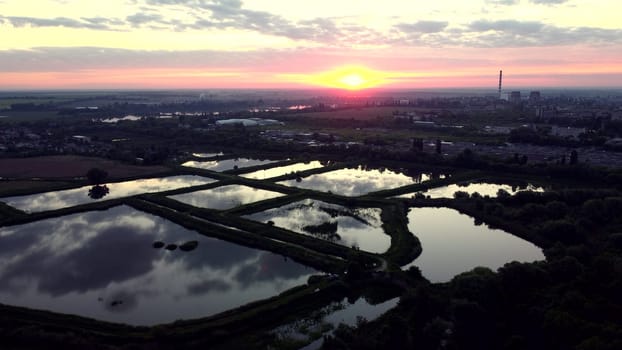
x=66 y=167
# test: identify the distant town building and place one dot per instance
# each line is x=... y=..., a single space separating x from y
x=81 y=139
x=534 y=97
x=515 y=97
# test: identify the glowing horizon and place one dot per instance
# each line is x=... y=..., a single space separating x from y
x=359 y=45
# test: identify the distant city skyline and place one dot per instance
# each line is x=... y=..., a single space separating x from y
x=351 y=44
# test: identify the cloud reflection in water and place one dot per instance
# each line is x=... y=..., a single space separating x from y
x=356 y=181
x=355 y=226
x=103 y=265
x=68 y=198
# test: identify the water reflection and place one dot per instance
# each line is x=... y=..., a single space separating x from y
x=98 y=191
x=323 y=321
x=360 y=227
x=225 y=197
x=282 y=170
x=356 y=181
x=103 y=265
x=67 y=198
x=483 y=188
x=227 y=164
x=453 y=244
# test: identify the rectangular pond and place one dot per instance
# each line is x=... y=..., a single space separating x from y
x=282 y=170
x=360 y=227
x=119 y=265
x=356 y=181
x=452 y=243
x=483 y=188
x=68 y=198
x=225 y=197
x=226 y=164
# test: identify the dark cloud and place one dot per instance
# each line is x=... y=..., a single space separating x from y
x=512 y=33
x=88 y=23
x=208 y=286
x=509 y=26
x=219 y=255
x=214 y=15
x=269 y=268
x=89 y=267
x=423 y=27
x=509 y=33
x=139 y=19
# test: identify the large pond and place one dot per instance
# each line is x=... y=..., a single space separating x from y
x=225 y=197
x=483 y=188
x=226 y=164
x=356 y=181
x=310 y=330
x=360 y=227
x=452 y=243
x=282 y=170
x=68 y=198
x=104 y=265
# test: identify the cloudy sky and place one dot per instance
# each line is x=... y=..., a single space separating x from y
x=302 y=43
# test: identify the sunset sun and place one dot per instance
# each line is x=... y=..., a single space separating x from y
x=353 y=81
x=346 y=77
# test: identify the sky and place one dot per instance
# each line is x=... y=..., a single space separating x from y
x=352 y=44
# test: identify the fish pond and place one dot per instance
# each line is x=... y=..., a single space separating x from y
x=123 y=265
x=359 y=227
x=225 y=197
x=453 y=243
x=356 y=181
x=483 y=188
x=82 y=195
x=282 y=170
x=226 y=164
x=309 y=331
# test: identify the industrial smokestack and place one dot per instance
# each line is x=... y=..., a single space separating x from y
x=500 y=81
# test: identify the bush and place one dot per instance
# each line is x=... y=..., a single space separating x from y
x=96 y=176
x=502 y=194
x=495 y=209
x=461 y=194
x=562 y=231
x=556 y=209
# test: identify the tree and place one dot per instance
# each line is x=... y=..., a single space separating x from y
x=418 y=144
x=98 y=191
x=574 y=157
x=96 y=176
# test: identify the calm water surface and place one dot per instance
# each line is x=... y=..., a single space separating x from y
x=453 y=244
x=356 y=181
x=103 y=265
x=68 y=198
x=361 y=227
x=483 y=188
x=226 y=164
x=325 y=320
x=282 y=170
x=225 y=197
